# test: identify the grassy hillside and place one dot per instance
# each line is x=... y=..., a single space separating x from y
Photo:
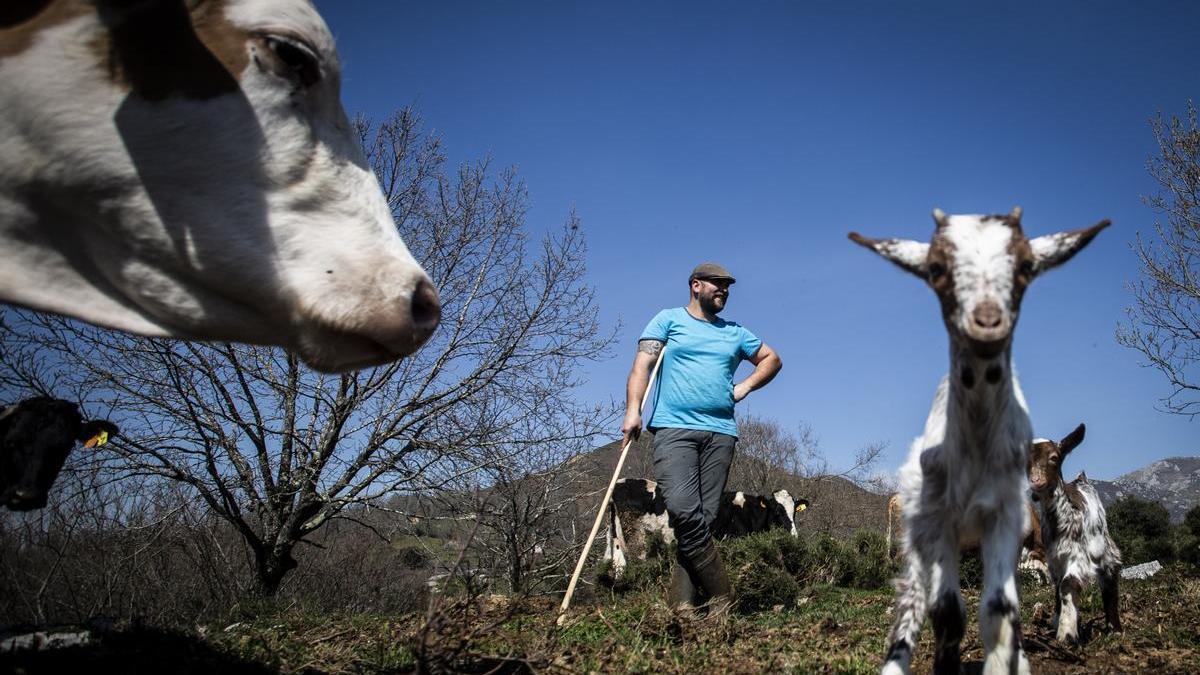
x=820 y=627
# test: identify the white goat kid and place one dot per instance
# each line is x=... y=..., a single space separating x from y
x=964 y=480
x=185 y=169
x=1075 y=531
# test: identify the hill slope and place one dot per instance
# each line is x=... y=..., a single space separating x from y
x=1174 y=482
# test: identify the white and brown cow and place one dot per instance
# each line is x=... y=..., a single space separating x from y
x=638 y=510
x=184 y=168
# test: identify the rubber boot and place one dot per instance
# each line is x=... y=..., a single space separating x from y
x=681 y=596
x=709 y=573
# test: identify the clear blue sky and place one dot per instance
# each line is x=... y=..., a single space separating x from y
x=758 y=134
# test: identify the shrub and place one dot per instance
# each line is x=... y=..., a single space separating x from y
x=861 y=562
x=414 y=558
x=641 y=575
x=1142 y=530
x=1189 y=550
x=1191 y=521
x=872 y=564
x=761 y=586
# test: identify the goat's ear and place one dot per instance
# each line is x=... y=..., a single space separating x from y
x=1072 y=440
x=908 y=254
x=1052 y=250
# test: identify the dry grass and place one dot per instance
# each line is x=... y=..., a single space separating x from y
x=828 y=630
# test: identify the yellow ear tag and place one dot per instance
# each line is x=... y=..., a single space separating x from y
x=801 y=507
x=95 y=441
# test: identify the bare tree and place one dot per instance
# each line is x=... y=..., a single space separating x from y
x=767 y=455
x=527 y=511
x=277 y=450
x=1164 y=321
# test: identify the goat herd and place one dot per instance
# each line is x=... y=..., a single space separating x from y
x=192 y=174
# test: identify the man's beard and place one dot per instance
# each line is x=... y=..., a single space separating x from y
x=711 y=305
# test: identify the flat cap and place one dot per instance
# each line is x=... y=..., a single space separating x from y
x=711 y=270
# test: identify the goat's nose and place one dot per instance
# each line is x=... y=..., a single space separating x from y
x=987 y=315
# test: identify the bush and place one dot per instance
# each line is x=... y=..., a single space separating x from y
x=873 y=566
x=1191 y=521
x=641 y=575
x=1189 y=550
x=761 y=586
x=771 y=568
x=414 y=558
x=1142 y=530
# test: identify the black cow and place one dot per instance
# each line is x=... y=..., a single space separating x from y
x=638 y=509
x=741 y=514
x=36 y=435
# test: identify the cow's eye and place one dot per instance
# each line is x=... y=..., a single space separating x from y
x=299 y=62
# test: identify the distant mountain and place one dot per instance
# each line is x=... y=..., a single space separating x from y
x=1173 y=482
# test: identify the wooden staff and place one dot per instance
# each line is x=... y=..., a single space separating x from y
x=562 y=610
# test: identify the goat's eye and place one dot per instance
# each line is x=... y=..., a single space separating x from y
x=936 y=270
x=300 y=63
x=1026 y=268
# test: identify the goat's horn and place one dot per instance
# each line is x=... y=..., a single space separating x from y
x=1015 y=214
x=939 y=217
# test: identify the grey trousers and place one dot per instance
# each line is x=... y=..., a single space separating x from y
x=691 y=468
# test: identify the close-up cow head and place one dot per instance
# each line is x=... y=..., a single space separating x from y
x=186 y=169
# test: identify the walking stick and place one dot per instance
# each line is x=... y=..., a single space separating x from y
x=562 y=610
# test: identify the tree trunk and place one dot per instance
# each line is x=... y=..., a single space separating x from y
x=271 y=567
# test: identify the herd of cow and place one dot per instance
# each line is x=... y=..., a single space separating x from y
x=638 y=511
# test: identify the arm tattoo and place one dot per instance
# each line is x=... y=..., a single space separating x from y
x=651 y=347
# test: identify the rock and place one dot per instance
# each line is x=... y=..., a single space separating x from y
x=1143 y=571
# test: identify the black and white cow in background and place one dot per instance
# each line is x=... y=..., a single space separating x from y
x=637 y=509
x=36 y=435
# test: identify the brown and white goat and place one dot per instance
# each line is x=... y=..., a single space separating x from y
x=964 y=480
x=1075 y=531
x=185 y=169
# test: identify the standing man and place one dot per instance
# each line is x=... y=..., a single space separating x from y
x=693 y=423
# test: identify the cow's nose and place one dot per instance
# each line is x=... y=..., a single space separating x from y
x=987 y=315
x=405 y=325
x=21 y=496
x=426 y=309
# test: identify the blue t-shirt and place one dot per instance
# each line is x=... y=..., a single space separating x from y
x=695 y=385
